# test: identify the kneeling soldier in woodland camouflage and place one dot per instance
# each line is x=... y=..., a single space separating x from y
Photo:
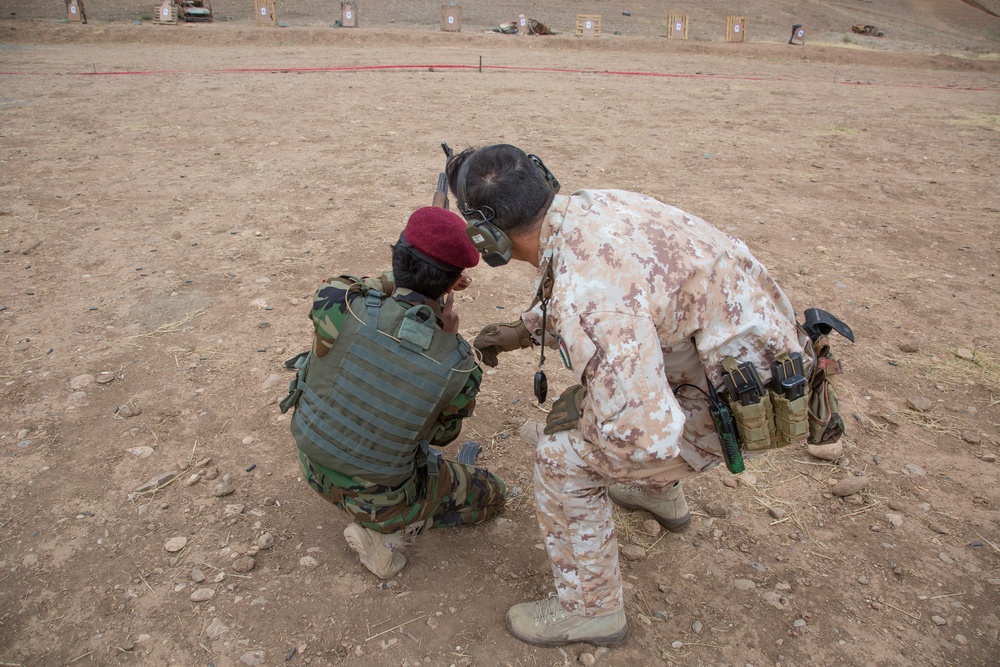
x=389 y=376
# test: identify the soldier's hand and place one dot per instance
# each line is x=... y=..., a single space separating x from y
x=501 y=337
x=565 y=410
x=448 y=313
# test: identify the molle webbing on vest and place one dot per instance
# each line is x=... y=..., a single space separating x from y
x=367 y=407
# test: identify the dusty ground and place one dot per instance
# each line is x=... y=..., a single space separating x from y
x=161 y=234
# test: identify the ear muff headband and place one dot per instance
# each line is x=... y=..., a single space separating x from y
x=492 y=243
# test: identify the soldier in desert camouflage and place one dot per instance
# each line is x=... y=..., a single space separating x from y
x=644 y=298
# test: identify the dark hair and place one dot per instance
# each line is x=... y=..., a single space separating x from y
x=503 y=178
x=411 y=272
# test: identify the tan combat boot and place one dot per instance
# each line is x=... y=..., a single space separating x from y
x=377 y=550
x=546 y=623
x=669 y=507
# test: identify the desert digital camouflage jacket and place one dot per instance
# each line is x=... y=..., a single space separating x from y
x=647 y=297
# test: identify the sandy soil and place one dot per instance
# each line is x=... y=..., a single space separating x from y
x=170 y=197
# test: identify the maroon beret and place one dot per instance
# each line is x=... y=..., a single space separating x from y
x=440 y=234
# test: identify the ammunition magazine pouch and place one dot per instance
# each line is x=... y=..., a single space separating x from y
x=791 y=419
x=799 y=403
x=755 y=423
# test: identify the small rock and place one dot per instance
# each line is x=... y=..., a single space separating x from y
x=253 y=658
x=964 y=353
x=175 y=544
x=127 y=411
x=799 y=623
x=587 y=659
x=972 y=437
x=895 y=505
x=141 y=452
x=938 y=528
x=945 y=558
x=830 y=452
x=939 y=620
x=775 y=600
x=748 y=479
x=197 y=576
x=677 y=645
x=203 y=595
x=913 y=470
x=81 y=382
x=248 y=440
x=22 y=434
x=243 y=564
x=960 y=639
x=849 y=486
x=989 y=457
x=744 y=584
x=716 y=509
x=225 y=487
x=776 y=512
x=661 y=615
x=651 y=527
x=265 y=541
x=895 y=520
x=730 y=482
x=920 y=404
x=696 y=627
x=531 y=431
x=909 y=347
x=30 y=560
x=308 y=563
x=234 y=509
x=192 y=480
x=211 y=473
x=216 y=629
x=633 y=552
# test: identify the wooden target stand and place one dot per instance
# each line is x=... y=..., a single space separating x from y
x=166 y=14
x=75 y=12
x=677 y=26
x=736 y=28
x=266 y=10
x=588 y=25
x=451 y=18
x=798 y=35
x=349 y=14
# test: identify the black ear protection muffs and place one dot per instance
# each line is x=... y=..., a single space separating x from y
x=490 y=241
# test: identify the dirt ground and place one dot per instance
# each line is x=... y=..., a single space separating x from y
x=170 y=196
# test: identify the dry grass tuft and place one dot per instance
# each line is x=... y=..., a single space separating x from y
x=171 y=327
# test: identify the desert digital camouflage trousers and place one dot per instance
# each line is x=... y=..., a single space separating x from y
x=457 y=495
x=574 y=513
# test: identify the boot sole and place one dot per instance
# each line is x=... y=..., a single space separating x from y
x=611 y=641
x=675 y=526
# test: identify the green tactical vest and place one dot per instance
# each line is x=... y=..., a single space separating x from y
x=367 y=407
